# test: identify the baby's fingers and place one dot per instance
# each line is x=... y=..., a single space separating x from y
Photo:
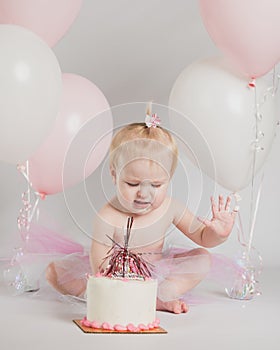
x=227 y=206
x=221 y=202
x=214 y=207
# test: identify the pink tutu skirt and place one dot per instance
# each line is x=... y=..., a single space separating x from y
x=27 y=268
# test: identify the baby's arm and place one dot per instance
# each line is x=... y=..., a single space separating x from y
x=97 y=253
x=206 y=233
x=100 y=243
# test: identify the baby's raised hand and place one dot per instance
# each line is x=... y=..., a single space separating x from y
x=223 y=217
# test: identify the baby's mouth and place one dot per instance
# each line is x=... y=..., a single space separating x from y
x=141 y=204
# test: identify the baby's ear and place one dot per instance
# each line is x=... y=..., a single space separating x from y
x=113 y=174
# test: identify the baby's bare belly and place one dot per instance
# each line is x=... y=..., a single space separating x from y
x=150 y=253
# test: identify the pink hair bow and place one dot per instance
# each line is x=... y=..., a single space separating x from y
x=152 y=121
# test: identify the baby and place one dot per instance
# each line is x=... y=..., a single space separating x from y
x=143 y=158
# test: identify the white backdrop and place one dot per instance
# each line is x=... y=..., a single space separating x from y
x=133 y=51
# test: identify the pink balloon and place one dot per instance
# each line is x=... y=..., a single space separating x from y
x=81 y=135
x=49 y=19
x=246 y=31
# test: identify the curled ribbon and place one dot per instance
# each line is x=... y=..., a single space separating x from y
x=246 y=284
x=27 y=212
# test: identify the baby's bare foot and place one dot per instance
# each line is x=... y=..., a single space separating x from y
x=51 y=276
x=176 y=306
x=74 y=286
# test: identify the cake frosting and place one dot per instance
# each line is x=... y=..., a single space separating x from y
x=121 y=304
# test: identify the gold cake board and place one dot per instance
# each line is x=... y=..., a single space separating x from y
x=85 y=329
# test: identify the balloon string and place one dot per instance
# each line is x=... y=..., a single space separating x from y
x=26 y=213
x=255 y=144
x=275 y=85
x=240 y=230
x=253 y=215
x=247 y=243
x=258 y=135
x=275 y=78
x=252 y=228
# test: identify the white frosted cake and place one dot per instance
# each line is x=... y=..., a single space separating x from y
x=123 y=297
x=121 y=304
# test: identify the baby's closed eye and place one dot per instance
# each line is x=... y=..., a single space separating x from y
x=135 y=184
x=156 y=185
x=132 y=184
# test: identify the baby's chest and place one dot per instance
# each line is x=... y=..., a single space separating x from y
x=144 y=233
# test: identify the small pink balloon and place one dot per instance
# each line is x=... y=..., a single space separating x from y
x=49 y=19
x=82 y=133
x=247 y=32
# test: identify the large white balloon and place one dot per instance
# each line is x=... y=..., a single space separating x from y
x=216 y=101
x=30 y=91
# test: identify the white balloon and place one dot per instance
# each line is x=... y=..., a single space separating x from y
x=218 y=103
x=30 y=90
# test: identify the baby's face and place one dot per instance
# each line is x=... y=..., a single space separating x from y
x=142 y=186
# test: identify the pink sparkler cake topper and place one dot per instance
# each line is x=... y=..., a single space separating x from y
x=123 y=263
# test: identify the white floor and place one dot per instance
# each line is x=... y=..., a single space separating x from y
x=27 y=322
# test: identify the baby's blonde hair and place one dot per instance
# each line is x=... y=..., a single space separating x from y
x=136 y=140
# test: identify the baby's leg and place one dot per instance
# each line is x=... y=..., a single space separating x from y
x=60 y=279
x=177 y=284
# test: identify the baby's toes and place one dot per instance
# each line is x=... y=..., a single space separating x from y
x=180 y=307
x=177 y=308
x=184 y=307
